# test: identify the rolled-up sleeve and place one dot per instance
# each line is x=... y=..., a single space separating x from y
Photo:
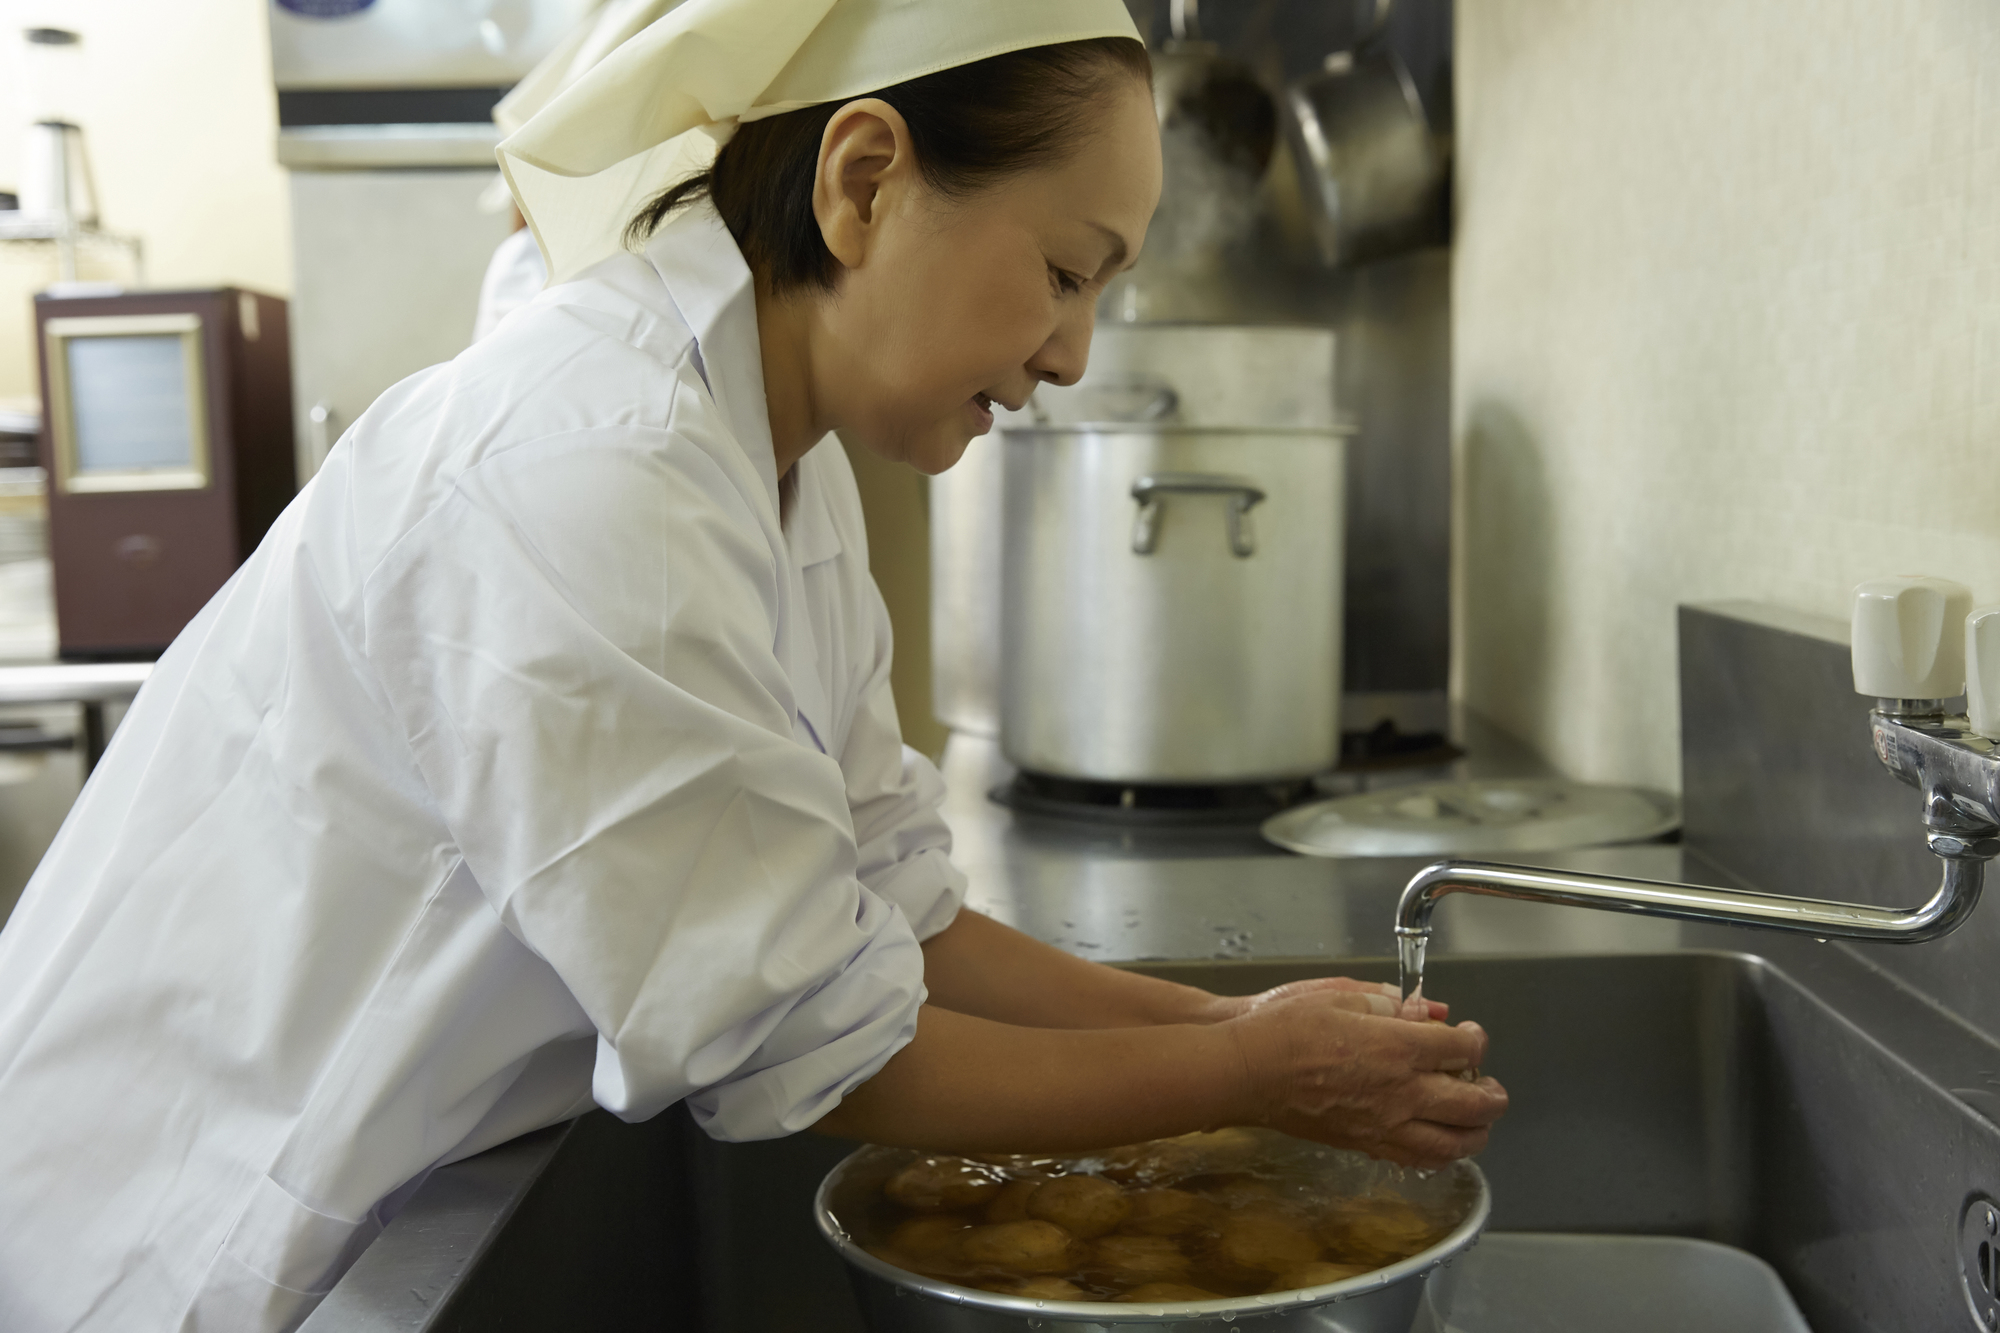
x=579 y=643
x=895 y=794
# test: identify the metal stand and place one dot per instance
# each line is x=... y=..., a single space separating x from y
x=65 y=234
x=91 y=684
x=93 y=736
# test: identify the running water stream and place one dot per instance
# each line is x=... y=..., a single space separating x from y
x=1410 y=970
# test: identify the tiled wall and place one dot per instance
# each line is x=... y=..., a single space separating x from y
x=1726 y=325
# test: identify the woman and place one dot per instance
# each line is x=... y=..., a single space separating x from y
x=544 y=755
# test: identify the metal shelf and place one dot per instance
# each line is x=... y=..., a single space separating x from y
x=66 y=235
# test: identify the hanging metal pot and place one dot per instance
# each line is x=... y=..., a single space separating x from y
x=1373 y=174
x=1218 y=130
x=1196 y=87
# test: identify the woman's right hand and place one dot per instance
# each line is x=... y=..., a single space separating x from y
x=1339 y=1068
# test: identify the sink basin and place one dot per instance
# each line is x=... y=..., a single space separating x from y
x=1534 y=1283
x=1704 y=1095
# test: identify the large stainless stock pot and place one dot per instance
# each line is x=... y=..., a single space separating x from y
x=1171 y=602
x=1388 y=1300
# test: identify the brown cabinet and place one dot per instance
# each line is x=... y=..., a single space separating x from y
x=167 y=437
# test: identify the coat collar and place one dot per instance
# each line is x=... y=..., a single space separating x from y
x=711 y=285
x=705 y=274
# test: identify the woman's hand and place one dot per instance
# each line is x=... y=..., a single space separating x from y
x=1331 y=1063
x=1383 y=999
x=1321 y=1063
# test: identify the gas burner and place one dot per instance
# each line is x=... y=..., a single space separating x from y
x=1388 y=747
x=1150 y=805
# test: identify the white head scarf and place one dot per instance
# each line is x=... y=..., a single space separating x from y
x=653 y=110
x=603 y=32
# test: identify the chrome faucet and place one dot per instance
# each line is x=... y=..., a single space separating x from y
x=1917 y=643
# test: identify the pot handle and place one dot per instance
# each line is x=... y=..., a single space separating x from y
x=1243 y=493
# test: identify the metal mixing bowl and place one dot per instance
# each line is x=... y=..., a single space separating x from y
x=893 y=1300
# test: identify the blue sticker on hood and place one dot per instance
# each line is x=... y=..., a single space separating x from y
x=325 y=9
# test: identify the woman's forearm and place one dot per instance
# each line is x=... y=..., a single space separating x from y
x=980 y=967
x=1321 y=1063
x=968 y=1084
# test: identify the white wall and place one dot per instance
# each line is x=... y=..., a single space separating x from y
x=1726 y=324
x=180 y=121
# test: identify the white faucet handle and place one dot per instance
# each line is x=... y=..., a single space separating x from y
x=1909 y=638
x=1982 y=671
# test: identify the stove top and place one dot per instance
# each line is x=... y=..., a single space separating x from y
x=1156 y=805
x=1191 y=806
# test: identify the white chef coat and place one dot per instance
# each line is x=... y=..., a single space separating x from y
x=531 y=760
x=514 y=276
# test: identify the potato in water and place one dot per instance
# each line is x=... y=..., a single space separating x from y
x=1020 y=1247
x=1375 y=1231
x=934 y=1184
x=1204 y=1217
x=1317 y=1274
x=1084 y=1206
x=1011 y=1203
x=1168 y=1212
x=930 y=1235
x=1250 y=1244
x=1124 y=1260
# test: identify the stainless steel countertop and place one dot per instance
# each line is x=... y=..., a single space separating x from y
x=1119 y=894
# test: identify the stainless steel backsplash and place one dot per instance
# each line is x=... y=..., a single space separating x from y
x=1395 y=379
x=1783 y=793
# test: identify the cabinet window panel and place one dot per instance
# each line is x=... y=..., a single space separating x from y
x=129 y=399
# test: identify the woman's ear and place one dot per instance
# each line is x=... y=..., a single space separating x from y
x=865 y=157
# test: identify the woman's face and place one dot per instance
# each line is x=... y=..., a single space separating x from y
x=946 y=307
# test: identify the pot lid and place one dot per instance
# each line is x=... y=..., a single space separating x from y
x=1481 y=816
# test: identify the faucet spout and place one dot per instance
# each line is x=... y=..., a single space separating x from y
x=1958 y=892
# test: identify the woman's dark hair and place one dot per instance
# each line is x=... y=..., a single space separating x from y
x=972 y=126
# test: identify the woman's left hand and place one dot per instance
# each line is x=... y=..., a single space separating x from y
x=1385 y=998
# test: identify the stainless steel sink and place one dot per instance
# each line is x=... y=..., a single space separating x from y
x=1701 y=1094
x=1541 y=1282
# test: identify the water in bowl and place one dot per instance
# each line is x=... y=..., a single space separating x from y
x=1223 y=1215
